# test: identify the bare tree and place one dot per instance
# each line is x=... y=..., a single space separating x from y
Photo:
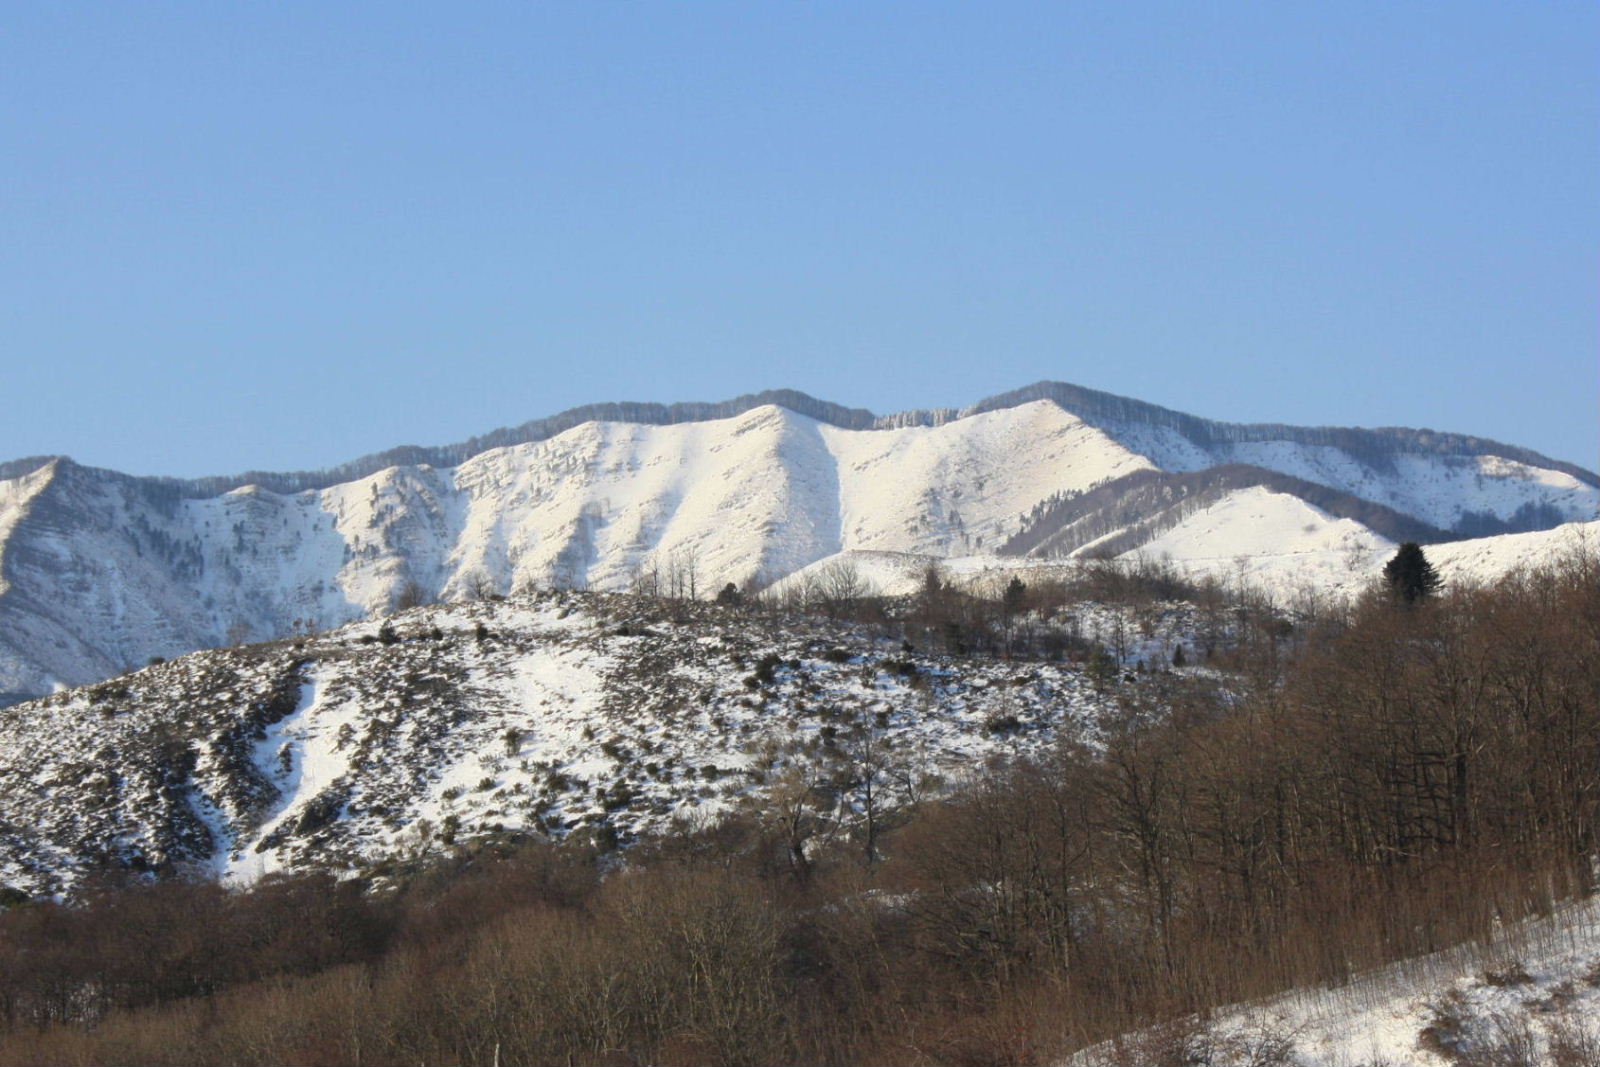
x=837 y=586
x=411 y=594
x=646 y=581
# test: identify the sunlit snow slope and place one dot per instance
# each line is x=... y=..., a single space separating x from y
x=1319 y=554
x=100 y=571
x=555 y=713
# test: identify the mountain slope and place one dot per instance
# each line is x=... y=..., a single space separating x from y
x=100 y=571
x=1529 y=995
x=1134 y=511
x=108 y=571
x=558 y=712
x=1182 y=441
x=1311 y=551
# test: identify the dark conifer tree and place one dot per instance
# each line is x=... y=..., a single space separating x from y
x=1409 y=574
x=1011 y=600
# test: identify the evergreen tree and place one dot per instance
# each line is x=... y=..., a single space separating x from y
x=1103 y=669
x=1409 y=574
x=1011 y=600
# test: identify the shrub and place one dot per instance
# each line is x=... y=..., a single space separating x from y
x=1002 y=725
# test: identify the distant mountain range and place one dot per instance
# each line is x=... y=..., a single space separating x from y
x=100 y=571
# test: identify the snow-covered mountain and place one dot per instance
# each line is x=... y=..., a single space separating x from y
x=547 y=713
x=100 y=571
x=1270 y=541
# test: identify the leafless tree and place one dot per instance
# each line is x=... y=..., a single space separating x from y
x=411 y=594
x=835 y=588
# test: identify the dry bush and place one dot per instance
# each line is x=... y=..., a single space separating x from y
x=1385 y=784
x=1574 y=1041
x=1181 y=1042
x=1512 y=1041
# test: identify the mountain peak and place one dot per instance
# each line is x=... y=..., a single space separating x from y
x=1107 y=411
x=100 y=571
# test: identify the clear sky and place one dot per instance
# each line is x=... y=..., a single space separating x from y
x=282 y=235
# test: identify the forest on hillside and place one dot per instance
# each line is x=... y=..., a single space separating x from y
x=1376 y=780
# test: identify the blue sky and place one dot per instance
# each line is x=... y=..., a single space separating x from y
x=279 y=236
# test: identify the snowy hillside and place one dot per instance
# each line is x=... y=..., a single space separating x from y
x=1530 y=996
x=1255 y=522
x=560 y=713
x=1266 y=539
x=100 y=571
x=1331 y=558
x=1439 y=490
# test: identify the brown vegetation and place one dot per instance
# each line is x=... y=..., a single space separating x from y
x=1394 y=779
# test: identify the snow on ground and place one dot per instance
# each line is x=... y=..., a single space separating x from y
x=896 y=574
x=1436 y=489
x=1273 y=541
x=1487 y=558
x=1357 y=560
x=1259 y=522
x=956 y=488
x=129 y=569
x=1533 y=996
x=557 y=713
x=300 y=756
x=1230 y=542
x=15 y=494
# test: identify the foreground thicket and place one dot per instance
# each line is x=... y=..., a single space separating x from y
x=1403 y=777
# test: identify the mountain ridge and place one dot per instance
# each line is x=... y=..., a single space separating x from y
x=101 y=570
x=1093 y=406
